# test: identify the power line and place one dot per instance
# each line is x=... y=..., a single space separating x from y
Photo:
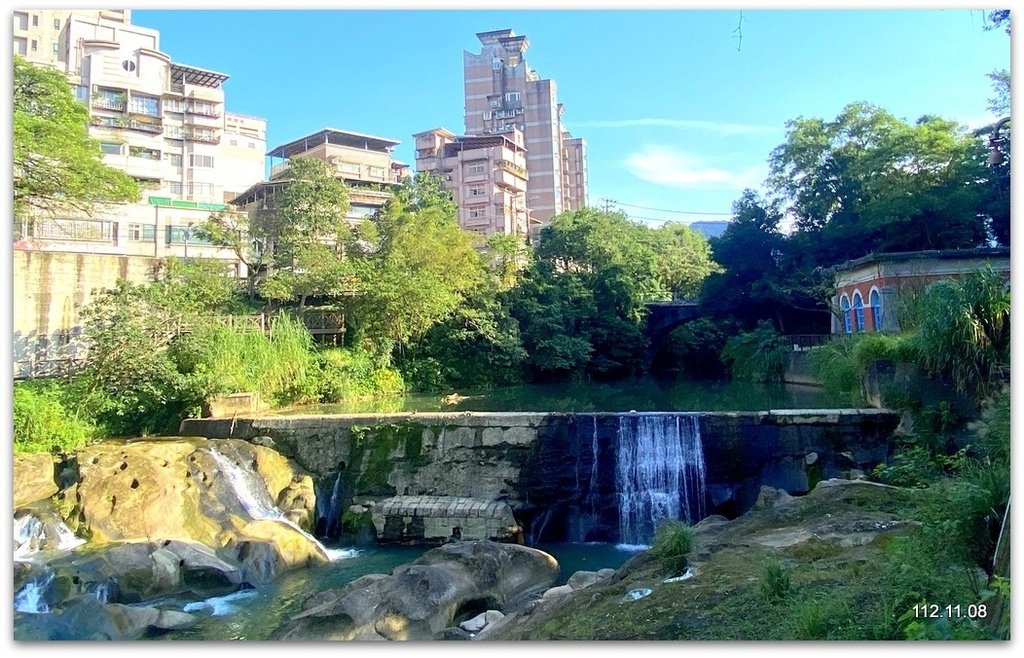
x=681 y=212
x=662 y=219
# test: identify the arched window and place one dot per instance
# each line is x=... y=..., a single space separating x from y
x=876 y=309
x=858 y=310
x=844 y=308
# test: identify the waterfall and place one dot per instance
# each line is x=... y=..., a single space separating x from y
x=659 y=473
x=33 y=534
x=253 y=495
x=328 y=509
x=32 y=597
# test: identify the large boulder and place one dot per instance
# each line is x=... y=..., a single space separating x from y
x=221 y=494
x=444 y=587
x=33 y=478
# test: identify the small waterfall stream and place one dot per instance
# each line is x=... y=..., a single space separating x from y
x=659 y=473
x=328 y=508
x=33 y=534
x=33 y=596
x=253 y=495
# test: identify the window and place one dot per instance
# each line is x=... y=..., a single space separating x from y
x=203 y=190
x=858 y=310
x=375 y=172
x=183 y=234
x=205 y=161
x=876 y=310
x=174 y=132
x=56 y=23
x=35 y=20
x=35 y=45
x=204 y=108
x=348 y=168
x=174 y=105
x=175 y=187
x=141 y=232
x=476 y=168
x=110 y=148
x=20 y=46
x=477 y=213
x=174 y=159
x=56 y=47
x=844 y=308
x=142 y=152
x=512 y=97
x=148 y=105
x=81 y=93
x=476 y=190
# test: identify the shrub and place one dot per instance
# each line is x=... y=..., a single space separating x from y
x=775 y=585
x=673 y=541
x=352 y=373
x=833 y=365
x=695 y=348
x=42 y=423
x=757 y=356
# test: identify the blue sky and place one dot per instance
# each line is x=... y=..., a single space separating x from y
x=678 y=112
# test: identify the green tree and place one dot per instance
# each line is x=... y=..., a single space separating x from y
x=412 y=267
x=197 y=285
x=57 y=167
x=999 y=104
x=868 y=181
x=684 y=259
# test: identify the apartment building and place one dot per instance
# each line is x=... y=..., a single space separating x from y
x=162 y=122
x=364 y=162
x=486 y=175
x=503 y=92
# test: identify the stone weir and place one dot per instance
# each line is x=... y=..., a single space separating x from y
x=556 y=476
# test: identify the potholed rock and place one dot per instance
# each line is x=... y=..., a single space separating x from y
x=419 y=600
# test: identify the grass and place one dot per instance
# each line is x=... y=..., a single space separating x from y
x=673 y=541
x=43 y=421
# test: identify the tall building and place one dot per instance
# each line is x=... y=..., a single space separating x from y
x=486 y=175
x=503 y=92
x=363 y=162
x=162 y=122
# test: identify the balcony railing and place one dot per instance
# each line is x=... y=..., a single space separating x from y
x=512 y=168
x=147 y=127
x=203 y=110
x=90 y=230
x=106 y=103
x=175 y=88
x=207 y=136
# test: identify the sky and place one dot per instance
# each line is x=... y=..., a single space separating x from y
x=680 y=108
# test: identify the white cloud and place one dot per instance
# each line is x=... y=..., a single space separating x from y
x=686 y=124
x=674 y=168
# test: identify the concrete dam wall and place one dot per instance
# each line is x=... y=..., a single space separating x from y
x=560 y=476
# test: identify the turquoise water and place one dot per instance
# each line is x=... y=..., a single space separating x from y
x=586 y=557
x=648 y=394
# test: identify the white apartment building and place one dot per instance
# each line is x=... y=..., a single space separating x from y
x=162 y=122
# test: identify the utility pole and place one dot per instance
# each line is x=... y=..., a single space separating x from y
x=607 y=204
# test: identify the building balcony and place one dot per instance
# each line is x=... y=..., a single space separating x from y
x=197 y=135
x=175 y=88
x=106 y=103
x=152 y=127
x=213 y=112
x=513 y=168
x=73 y=230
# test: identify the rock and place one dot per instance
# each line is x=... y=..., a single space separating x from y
x=856 y=474
x=33 y=478
x=217 y=493
x=421 y=599
x=477 y=624
x=86 y=618
x=557 y=592
x=710 y=522
x=453 y=633
x=811 y=458
x=264 y=441
x=771 y=497
x=298 y=502
x=584 y=579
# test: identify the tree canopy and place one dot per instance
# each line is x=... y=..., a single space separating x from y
x=58 y=168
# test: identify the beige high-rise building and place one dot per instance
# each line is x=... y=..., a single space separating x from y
x=363 y=162
x=503 y=92
x=486 y=175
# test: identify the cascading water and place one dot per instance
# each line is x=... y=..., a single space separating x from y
x=328 y=509
x=33 y=596
x=253 y=495
x=659 y=473
x=33 y=534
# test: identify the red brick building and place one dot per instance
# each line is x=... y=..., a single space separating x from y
x=868 y=288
